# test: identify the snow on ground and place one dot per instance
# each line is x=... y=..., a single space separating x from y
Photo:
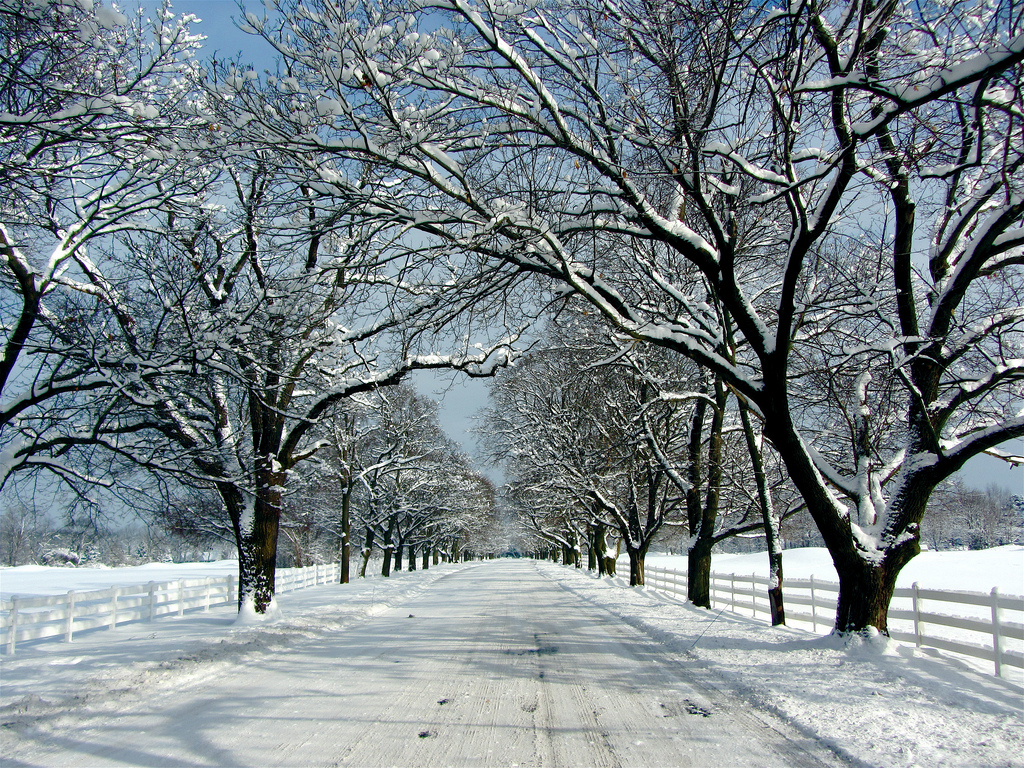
x=194 y=644
x=874 y=702
x=967 y=571
x=877 y=702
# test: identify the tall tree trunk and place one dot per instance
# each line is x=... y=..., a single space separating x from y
x=703 y=518
x=772 y=531
x=389 y=547
x=257 y=551
x=866 y=585
x=426 y=557
x=412 y=557
x=346 y=533
x=598 y=547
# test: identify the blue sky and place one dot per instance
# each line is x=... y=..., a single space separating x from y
x=223 y=36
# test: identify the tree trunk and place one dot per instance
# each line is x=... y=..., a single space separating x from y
x=703 y=518
x=698 y=574
x=412 y=557
x=389 y=548
x=772 y=529
x=436 y=555
x=866 y=589
x=257 y=548
x=598 y=547
x=568 y=555
x=426 y=557
x=610 y=561
x=367 y=551
x=346 y=534
x=864 y=596
x=636 y=566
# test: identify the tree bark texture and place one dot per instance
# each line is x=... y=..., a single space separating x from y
x=346 y=534
x=636 y=566
x=257 y=551
x=698 y=570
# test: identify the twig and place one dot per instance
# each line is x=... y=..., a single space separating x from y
x=705 y=630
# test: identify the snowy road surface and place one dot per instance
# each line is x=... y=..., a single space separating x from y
x=492 y=665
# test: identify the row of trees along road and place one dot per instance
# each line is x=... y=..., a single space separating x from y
x=818 y=205
x=385 y=478
x=601 y=435
x=176 y=298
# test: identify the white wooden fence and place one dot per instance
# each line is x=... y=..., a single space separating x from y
x=915 y=615
x=37 y=618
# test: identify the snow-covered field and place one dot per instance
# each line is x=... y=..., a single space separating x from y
x=33 y=580
x=872 y=703
x=976 y=571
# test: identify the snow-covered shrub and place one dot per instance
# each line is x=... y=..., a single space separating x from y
x=61 y=557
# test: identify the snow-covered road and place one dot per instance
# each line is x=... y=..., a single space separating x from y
x=491 y=665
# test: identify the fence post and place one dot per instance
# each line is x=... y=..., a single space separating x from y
x=12 y=624
x=814 y=608
x=69 y=627
x=113 y=607
x=209 y=581
x=231 y=588
x=181 y=597
x=732 y=588
x=152 y=600
x=917 y=615
x=996 y=651
x=753 y=595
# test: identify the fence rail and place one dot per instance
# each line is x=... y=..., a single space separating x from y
x=912 y=613
x=24 y=619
